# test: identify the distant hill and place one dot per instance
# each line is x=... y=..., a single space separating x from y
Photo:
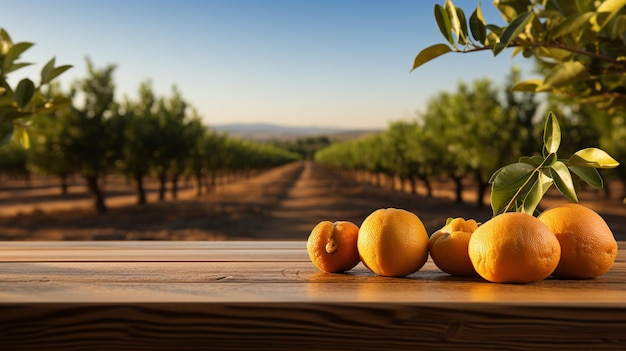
x=265 y=131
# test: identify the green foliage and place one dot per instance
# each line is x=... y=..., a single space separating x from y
x=305 y=147
x=520 y=186
x=580 y=46
x=470 y=132
x=19 y=104
x=13 y=159
x=158 y=135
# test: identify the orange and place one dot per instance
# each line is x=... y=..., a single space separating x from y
x=448 y=247
x=332 y=246
x=393 y=242
x=514 y=247
x=588 y=247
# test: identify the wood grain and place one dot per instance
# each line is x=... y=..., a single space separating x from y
x=293 y=326
x=268 y=296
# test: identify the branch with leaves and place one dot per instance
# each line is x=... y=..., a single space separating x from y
x=24 y=101
x=579 y=45
x=520 y=186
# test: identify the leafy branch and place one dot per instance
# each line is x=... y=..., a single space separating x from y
x=520 y=186
x=579 y=43
x=26 y=99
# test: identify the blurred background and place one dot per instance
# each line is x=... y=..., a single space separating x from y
x=239 y=120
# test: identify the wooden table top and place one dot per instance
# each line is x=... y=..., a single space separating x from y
x=153 y=295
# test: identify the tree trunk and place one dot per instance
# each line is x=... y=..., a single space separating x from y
x=162 y=181
x=429 y=187
x=198 y=176
x=64 y=186
x=213 y=179
x=458 y=182
x=175 y=186
x=413 y=185
x=482 y=189
x=141 y=192
x=27 y=180
x=96 y=193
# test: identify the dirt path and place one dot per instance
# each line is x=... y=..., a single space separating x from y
x=284 y=203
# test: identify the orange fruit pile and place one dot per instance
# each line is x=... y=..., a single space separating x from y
x=568 y=241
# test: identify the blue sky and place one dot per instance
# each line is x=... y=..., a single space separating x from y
x=340 y=63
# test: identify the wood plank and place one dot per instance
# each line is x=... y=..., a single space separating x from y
x=302 y=326
x=145 y=251
x=284 y=282
x=156 y=255
x=231 y=272
x=151 y=245
x=268 y=296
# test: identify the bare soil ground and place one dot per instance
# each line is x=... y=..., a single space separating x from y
x=284 y=203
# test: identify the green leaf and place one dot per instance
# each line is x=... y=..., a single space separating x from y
x=23 y=138
x=605 y=12
x=477 y=25
x=553 y=54
x=592 y=157
x=24 y=92
x=493 y=29
x=463 y=35
x=590 y=175
x=13 y=54
x=527 y=86
x=17 y=66
x=563 y=180
x=455 y=23
x=5 y=36
x=443 y=21
x=430 y=53
x=535 y=194
x=551 y=134
x=57 y=71
x=517 y=50
x=550 y=159
x=564 y=73
x=499 y=200
x=46 y=71
x=512 y=177
x=571 y=24
x=534 y=161
x=512 y=31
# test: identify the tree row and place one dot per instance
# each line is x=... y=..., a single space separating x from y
x=466 y=135
x=159 y=136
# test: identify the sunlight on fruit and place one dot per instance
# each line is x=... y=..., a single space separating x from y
x=514 y=247
x=393 y=242
x=588 y=247
x=332 y=246
x=448 y=247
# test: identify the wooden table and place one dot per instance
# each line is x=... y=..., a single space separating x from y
x=268 y=296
